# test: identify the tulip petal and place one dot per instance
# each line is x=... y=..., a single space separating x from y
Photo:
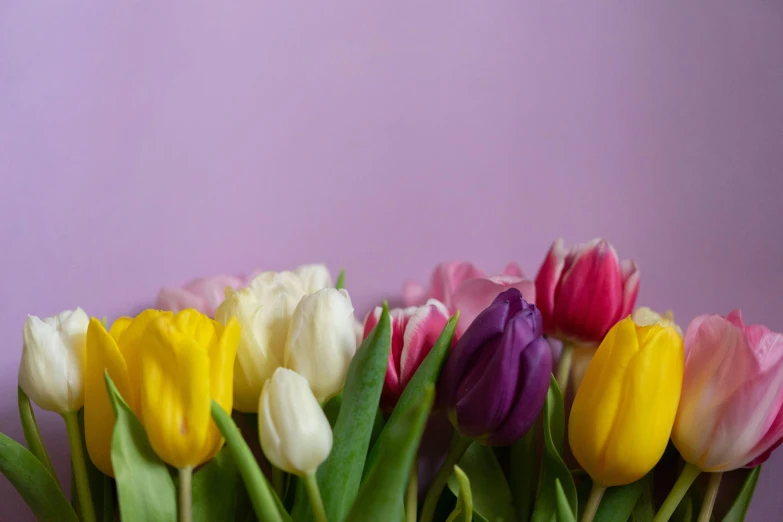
x=448 y=276
x=421 y=331
x=645 y=415
x=474 y=295
x=102 y=355
x=489 y=388
x=175 y=393
x=589 y=297
x=222 y=355
x=513 y=269
x=119 y=326
x=533 y=383
x=630 y=275
x=413 y=294
x=600 y=393
x=546 y=282
x=177 y=299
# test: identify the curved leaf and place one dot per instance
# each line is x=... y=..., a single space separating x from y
x=385 y=484
x=215 y=489
x=553 y=466
x=525 y=467
x=491 y=494
x=740 y=505
x=465 y=499
x=32 y=435
x=564 y=513
x=144 y=485
x=34 y=482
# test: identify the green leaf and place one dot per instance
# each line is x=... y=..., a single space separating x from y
x=32 y=435
x=340 y=280
x=264 y=500
x=332 y=409
x=34 y=482
x=425 y=375
x=100 y=485
x=144 y=485
x=340 y=475
x=618 y=502
x=553 y=466
x=740 y=505
x=564 y=513
x=385 y=484
x=215 y=489
x=644 y=510
x=491 y=494
x=687 y=510
x=524 y=472
x=465 y=498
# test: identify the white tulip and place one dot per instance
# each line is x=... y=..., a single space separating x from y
x=314 y=277
x=52 y=366
x=322 y=341
x=264 y=311
x=293 y=429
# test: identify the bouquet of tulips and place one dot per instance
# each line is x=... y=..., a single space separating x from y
x=266 y=399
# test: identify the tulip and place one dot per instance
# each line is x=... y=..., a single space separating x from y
x=624 y=410
x=203 y=294
x=445 y=280
x=414 y=332
x=474 y=295
x=584 y=291
x=644 y=316
x=314 y=277
x=496 y=379
x=731 y=411
x=322 y=341
x=263 y=310
x=52 y=366
x=168 y=369
x=294 y=431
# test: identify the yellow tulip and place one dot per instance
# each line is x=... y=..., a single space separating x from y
x=624 y=410
x=168 y=368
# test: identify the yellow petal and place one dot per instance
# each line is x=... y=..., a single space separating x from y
x=197 y=326
x=102 y=354
x=599 y=396
x=118 y=327
x=175 y=393
x=651 y=393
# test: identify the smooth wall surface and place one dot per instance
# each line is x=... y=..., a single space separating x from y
x=145 y=144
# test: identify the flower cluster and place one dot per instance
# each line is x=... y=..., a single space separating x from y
x=261 y=379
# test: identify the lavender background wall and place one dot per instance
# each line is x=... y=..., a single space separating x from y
x=144 y=144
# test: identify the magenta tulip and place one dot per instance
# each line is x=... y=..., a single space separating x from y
x=731 y=408
x=584 y=291
x=414 y=332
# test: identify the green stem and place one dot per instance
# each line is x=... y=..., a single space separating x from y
x=709 y=498
x=457 y=450
x=79 y=467
x=564 y=366
x=593 y=501
x=32 y=435
x=311 y=483
x=258 y=489
x=185 y=508
x=684 y=481
x=411 y=504
x=278 y=481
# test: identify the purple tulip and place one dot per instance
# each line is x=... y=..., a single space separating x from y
x=495 y=381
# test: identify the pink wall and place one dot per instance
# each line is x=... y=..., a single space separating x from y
x=141 y=145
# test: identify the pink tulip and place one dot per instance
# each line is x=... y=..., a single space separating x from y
x=203 y=294
x=414 y=332
x=444 y=282
x=474 y=295
x=731 y=408
x=584 y=291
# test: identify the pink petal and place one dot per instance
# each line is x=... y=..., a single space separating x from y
x=735 y=318
x=213 y=289
x=513 y=269
x=546 y=282
x=399 y=319
x=177 y=299
x=423 y=329
x=448 y=276
x=413 y=294
x=473 y=296
x=630 y=273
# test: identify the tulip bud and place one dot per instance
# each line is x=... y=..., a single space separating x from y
x=623 y=412
x=731 y=410
x=584 y=291
x=495 y=381
x=414 y=332
x=263 y=311
x=293 y=429
x=314 y=277
x=52 y=366
x=322 y=340
x=203 y=294
x=644 y=316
